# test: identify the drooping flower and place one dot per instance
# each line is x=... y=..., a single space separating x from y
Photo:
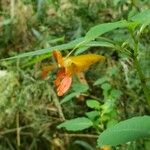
x=70 y=66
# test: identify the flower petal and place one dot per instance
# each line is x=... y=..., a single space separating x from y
x=63 y=82
x=58 y=57
x=77 y=64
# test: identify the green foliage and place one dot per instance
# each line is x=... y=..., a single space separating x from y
x=125 y=131
x=30 y=108
x=93 y=104
x=76 y=124
x=84 y=144
x=69 y=97
x=98 y=30
x=142 y=17
x=77 y=89
x=48 y=50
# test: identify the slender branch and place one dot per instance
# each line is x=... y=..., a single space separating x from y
x=15 y=129
x=18 y=130
x=12 y=8
x=57 y=104
x=81 y=135
x=77 y=46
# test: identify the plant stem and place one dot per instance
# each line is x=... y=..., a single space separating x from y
x=18 y=131
x=57 y=104
x=139 y=70
x=143 y=81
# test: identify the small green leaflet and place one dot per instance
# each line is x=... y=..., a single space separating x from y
x=76 y=124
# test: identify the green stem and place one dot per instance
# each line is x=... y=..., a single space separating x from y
x=143 y=81
x=139 y=70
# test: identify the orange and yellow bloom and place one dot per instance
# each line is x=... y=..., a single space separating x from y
x=70 y=66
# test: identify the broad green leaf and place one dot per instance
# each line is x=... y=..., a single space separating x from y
x=142 y=17
x=98 y=30
x=93 y=104
x=76 y=124
x=125 y=131
x=111 y=123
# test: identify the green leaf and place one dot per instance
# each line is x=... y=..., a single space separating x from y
x=101 y=81
x=106 y=86
x=86 y=46
x=107 y=107
x=98 y=30
x=125 y=131
x=81 y=50
x=142 y=17
x=100 y=44
x=76 y=124
x=93 y=104
x=92 y=114
x=66 y=46
x=115 y=93
x=85 y=145
x=69 y=97
x=78 y=87
x=111 y=123
x=36 y=59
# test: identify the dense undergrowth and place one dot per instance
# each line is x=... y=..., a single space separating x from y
x=30 y=109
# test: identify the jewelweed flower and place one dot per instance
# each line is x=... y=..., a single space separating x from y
x=70 y=66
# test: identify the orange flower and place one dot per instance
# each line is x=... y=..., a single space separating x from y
x=70 y=66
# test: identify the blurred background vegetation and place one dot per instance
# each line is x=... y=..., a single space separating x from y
x=29 y=112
